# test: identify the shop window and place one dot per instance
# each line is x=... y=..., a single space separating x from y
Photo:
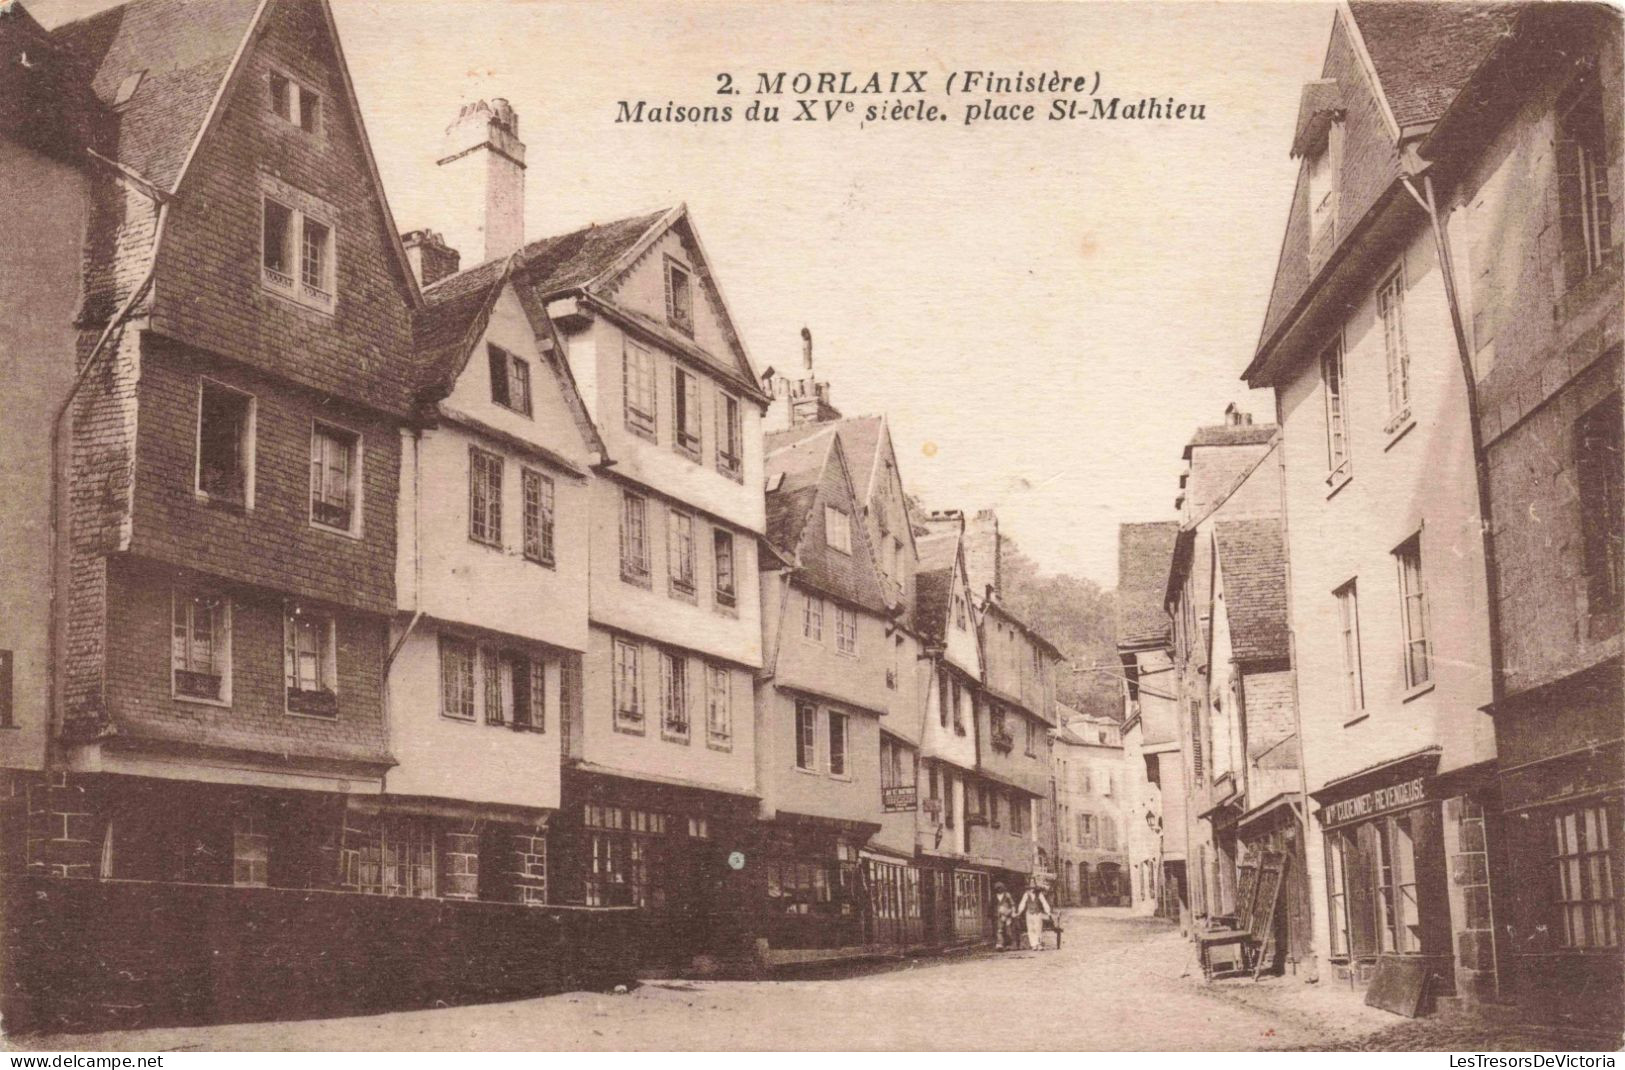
x=1338 y=850
x=200 y=647
x=1399 y=924
x=622 y=870
x=395 y=859
x=802 y=887
x=1585 y=864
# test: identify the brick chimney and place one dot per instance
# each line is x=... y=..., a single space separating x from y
x=799 y=401
x=482 y=170
x=1234 y=417
x=431 y=258
x=982 y=552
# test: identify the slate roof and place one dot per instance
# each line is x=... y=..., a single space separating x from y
x=933 y=592
x=185 y=49
x=1144 y=554
x=43 y=103
x=800 y=474
x=1425 y=52
x=1253 y=560
x=553 y=265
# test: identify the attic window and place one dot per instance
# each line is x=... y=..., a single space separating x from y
x=297 y=257
x=837 y=529
x=127 y=88
x=295 y=103
x=679 y=297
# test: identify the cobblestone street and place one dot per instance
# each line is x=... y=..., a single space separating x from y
x=1119 y=983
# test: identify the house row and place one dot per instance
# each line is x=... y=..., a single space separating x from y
x=1382 y=640
x=457 y=565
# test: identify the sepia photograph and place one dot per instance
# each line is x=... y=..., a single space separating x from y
x=881 y=525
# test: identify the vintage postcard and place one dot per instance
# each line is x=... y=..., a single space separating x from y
x=535 y=525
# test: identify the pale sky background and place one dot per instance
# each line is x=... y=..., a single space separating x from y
x=1044 y=310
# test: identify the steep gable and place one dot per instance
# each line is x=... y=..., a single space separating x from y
x=807 y=478
x=1252 y=565
x=1144 y=556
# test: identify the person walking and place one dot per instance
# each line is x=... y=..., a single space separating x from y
x=1034 y=906
x=1004 y=906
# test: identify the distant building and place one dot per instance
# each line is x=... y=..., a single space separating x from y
x=1091 y=810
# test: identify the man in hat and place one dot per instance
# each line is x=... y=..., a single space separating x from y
x=1034 y=906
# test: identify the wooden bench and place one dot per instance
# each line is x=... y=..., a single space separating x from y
x=1257 y=897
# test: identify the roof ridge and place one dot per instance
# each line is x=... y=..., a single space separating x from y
x=544 y=239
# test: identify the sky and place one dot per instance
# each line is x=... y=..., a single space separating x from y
x=1045 y=311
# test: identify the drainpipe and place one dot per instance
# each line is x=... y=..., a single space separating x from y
x=1481 y=473
x=417 y=585
x=1301 y=811
x=56 y=477
x=1481 y=464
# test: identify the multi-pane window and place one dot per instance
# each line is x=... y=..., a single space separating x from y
x=812 y=618
x=333 y=481
x=897 y=768
x=397 y=859
x=680 y=550
x=1348 y=622
x=515 y=689
x=628 y=683
x=484 y=497
x=1585 y=864
x=200 y=647
x=730 y=436
x=837 y=529
x=634 y=537
x=538 y=494
x=718 y=706
x=510 y=379
x=638 y=371
x=250 y=852
x=1399 y=924
x=1019 y=815
x=673 y=695
x=622 y=870
x=1337 y=442
x=1414 y=613
x=846 y=631
x=679 y=297
x=457 y=678
x=685 y=404
x=1584 y=213
x=837 y=743
x=1602 y=505
x=1337 y=899
x=722 y=555
x=225 y=444
x=806 y=736
x=294 y=241
x=1391 y=310
x=310 y=662
x=1196 y=741
x=313 y=256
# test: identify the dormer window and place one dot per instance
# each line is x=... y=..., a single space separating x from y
x=679 y=297
x=510 y=380
x=1319 y=141
x=837 y=530
x=297 y=239
x=296 y=104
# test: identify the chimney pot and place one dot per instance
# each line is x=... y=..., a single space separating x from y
x=431 y=258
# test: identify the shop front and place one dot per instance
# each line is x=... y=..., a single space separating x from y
x=896 y=902
x=1387 y=890
x=808 y=883
x=683 y=854
x=1274 y=825
x=1561 y=790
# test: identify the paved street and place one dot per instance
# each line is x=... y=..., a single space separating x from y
x=1116 y=984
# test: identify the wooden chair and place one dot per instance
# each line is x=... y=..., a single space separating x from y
x=1256 y=899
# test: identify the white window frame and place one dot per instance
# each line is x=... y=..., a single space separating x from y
x=639 y=364
x=809 y=618
x=297 y=104
x=219 y=643
x=718 y=708
x=802 y=747
x=730 y=436
x=492 y=519
x=846 y=631
x=838 y=530
x=1348 y=618
x=515 y=373
x=292 y=286
x=1412 y=547
x=687 y=413
x=543 y=517
x=681 y=319
x=356 y=483
x=1339 y=451
x=1396 y=351
x=471 y=648
x=676 y=697
x=832 y=718
x=682 y=555
x=328 y=676
x=248 y=445
x=725 y=597
x=628 y=717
